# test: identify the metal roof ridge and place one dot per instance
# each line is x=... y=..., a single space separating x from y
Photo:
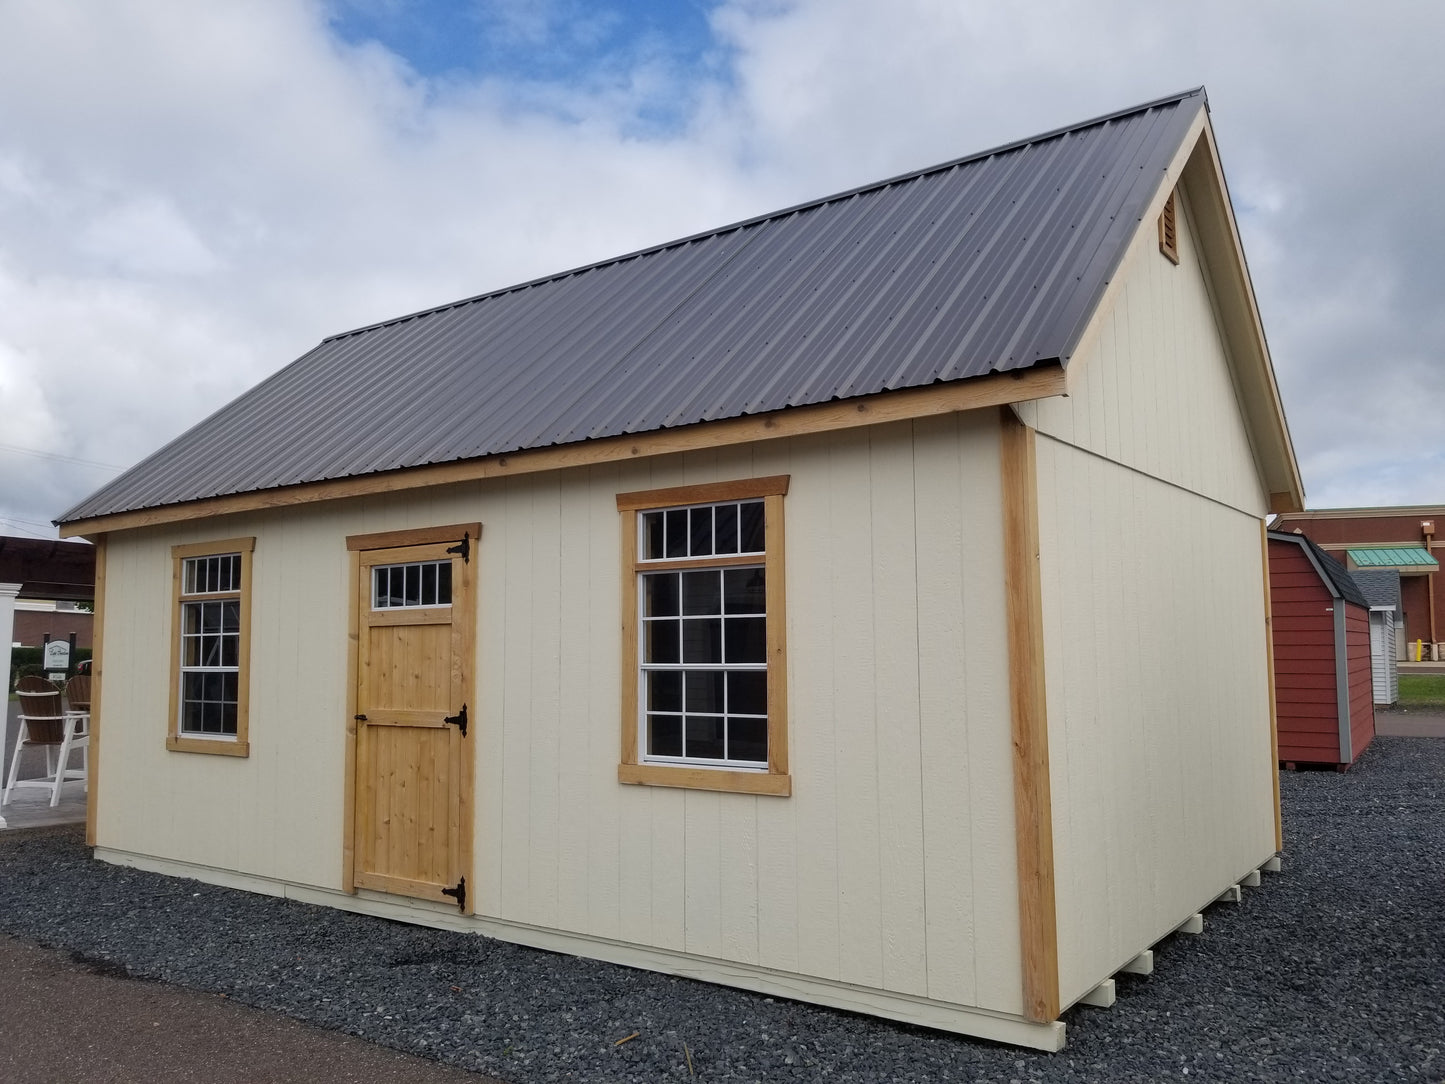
x=797 y=208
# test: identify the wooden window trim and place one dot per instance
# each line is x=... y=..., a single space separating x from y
x=1169 y=230
x=776 y=780
x=240 y=745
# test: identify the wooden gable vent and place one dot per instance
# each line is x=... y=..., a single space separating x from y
x=1169 y=230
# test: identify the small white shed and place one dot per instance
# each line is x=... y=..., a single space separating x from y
x=763 y=607
x=1381 y=589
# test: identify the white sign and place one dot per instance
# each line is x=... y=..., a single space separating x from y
x=57 y=655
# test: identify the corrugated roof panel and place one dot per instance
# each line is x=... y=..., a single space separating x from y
x=1393 y=557
x=990 y=263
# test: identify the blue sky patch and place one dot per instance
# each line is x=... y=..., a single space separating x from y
x=644 y=48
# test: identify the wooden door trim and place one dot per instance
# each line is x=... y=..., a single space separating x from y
x=416 y=536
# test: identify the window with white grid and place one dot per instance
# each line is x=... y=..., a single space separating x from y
x=707 y=684
x=208 y=707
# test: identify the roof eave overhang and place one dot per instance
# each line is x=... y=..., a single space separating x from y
x=1223 y=254
x=1196 y=166
x=1043 y=380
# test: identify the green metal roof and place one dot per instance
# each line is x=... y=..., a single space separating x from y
x=1393 y=557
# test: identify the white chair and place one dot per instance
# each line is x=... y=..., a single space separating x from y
x=44 y=722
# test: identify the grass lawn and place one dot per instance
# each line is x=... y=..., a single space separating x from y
x=1423 y=692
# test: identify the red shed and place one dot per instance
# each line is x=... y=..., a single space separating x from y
x=1321 y=628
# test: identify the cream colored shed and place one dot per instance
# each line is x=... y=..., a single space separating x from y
x=863 y=604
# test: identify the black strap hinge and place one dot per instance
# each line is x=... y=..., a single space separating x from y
x=459 y=893
x=459 y=720
x=462 y=548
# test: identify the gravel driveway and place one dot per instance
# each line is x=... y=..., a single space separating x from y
x=1331 y=970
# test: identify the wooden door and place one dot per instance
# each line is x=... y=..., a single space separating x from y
x=412 y=789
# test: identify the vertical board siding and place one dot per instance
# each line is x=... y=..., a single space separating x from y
x=892 y=865
x=1157 y=705
x=1150 y=502
x=1153 y=389
x=1362 y=699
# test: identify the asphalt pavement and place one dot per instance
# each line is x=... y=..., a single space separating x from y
x=63 y=1019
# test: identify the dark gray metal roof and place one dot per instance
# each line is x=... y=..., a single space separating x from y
x=1380 y=586
x=990 y=263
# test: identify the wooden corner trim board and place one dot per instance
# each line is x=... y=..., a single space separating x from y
x=97 y=670
x=996 y=389
x=353 y=638
x=1033 y=811
x=1273 y=706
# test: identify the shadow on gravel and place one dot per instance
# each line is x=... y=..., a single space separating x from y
x=1332 y=969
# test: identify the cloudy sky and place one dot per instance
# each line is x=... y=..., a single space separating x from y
x=193 y=194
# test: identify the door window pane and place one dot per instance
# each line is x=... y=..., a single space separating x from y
x=421 y=583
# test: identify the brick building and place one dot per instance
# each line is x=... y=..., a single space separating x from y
x=1403 y=539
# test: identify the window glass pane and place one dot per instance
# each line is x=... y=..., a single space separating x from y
x=660 y=642
x=230 y=650
x=702 y=640
x=660 y=594
x=700 y=531
x=230 y=615
x=652 y=536
x=210 y=617
x=228 y=717
x=677 y=532
x=191 y=686
x=748 y=692
x=748 y=740
x=191 y=716
x=664 y=735
x=422 y=583
x=704 y=737
x=747 y=640
x=664 y=690
x=191 y=618
x=744 y=591
x=726 y=532
x=211 y=717
x=751 y=526
x=700 y=593
x=704 y=691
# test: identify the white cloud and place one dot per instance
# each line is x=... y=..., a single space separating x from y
x=192 y=195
